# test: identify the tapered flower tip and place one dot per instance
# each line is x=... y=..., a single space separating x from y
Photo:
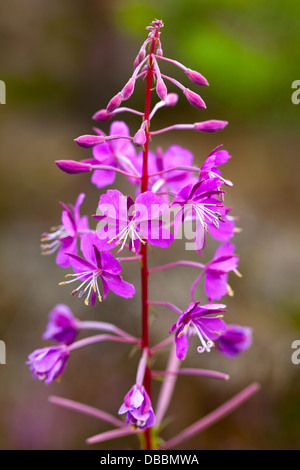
x=210 y=126
x=128 y=89
x=194 y=99
x=141 y=56
x=171 y=99
x=71 y=166
x=140 y=138
x=159 y=52
x=196 y=77
x=161 y=89
x=102 y=115
x=88 y=140
x=114 y=103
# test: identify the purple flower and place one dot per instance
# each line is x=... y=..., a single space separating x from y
x=234 y=340
x=93 y=266
x=64 y=237
x=113 y=153
x=137 y=220
x=216 y=271
x=138 y=407
x=62 y=325
x=174 y=156
x=198 y=320
x=209 y=168
x=198 y=202
x=48 y=363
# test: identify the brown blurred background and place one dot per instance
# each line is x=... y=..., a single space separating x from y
x=62 y=61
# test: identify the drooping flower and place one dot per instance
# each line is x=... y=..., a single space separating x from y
x=200 y=320
x=48 y=363
x=137 y=405
x=198 y=202
x=139 y=220
x=62 y=326
x=216 y=272
x=113 y=153
x=64 y=237
x=95 y=266
x=234 y=340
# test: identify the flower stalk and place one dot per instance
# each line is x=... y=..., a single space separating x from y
x=143 y=252
x=166 y=182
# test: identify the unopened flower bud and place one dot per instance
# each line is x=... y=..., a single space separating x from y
x=88 y=140
x=194 y=99
x=196 y=77
x=171 y=99
x=161 y=89
x=140 y=138
x=114 y=102
x=102 y=115
x=210 y=126
x=159 y=52
x=141 y=56
x=71 y=166
x=128 y=89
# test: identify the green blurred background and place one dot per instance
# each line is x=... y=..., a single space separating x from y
x=62 y=61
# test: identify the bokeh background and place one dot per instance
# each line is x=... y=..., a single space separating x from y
x=62 y=61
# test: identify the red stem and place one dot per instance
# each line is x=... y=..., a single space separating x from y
x=143 y=252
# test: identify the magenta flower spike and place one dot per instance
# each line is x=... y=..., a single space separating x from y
x=62 y=326
x=48 y=363
x=164 y=183
x=64 y=237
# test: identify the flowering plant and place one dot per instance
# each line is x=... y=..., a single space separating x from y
x=166 y=183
